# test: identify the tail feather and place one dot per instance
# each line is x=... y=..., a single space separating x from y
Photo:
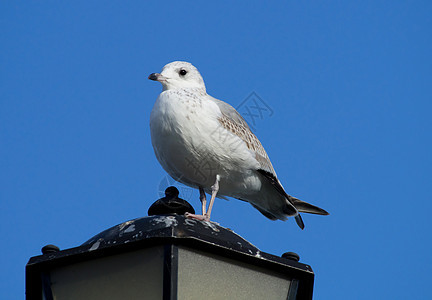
x=299 y=221
x=307 y=207
x=293 y=205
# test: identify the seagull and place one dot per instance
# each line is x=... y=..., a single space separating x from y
x=205 y=143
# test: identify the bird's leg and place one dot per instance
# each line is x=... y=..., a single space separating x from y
x=203 y=200
x=215 y=189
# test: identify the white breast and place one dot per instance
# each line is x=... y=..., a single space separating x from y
x=193 y=147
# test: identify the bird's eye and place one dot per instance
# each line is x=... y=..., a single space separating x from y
x=183 y=72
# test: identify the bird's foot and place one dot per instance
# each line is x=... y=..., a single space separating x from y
x=197 y=217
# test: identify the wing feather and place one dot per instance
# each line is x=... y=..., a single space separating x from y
x=234 y=122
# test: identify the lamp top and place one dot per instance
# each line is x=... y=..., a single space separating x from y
x=165 y=229
x=172 y=227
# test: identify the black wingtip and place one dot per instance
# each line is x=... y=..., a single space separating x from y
x=299 y=221
x=305 y=207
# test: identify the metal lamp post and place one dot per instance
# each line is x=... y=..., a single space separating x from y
x=166 y=256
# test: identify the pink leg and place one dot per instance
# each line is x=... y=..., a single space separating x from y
x=206 y=216
x=203 y=200
x=215 y=189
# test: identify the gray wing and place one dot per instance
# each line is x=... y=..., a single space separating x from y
x=234 y=122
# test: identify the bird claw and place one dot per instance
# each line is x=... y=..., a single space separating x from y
x=197 y=217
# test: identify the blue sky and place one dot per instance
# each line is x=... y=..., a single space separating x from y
x=349 y=85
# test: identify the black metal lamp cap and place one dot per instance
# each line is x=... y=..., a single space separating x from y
x=50 y=249
x=291 y=256
x=170 y=204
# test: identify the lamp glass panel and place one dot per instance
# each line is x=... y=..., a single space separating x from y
x=122 y=276
x=207 y=276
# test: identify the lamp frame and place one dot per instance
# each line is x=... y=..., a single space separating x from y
x=169 y=232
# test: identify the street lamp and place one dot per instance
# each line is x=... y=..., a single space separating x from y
x=166 y=256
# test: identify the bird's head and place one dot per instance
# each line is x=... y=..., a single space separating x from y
x=179 y=75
